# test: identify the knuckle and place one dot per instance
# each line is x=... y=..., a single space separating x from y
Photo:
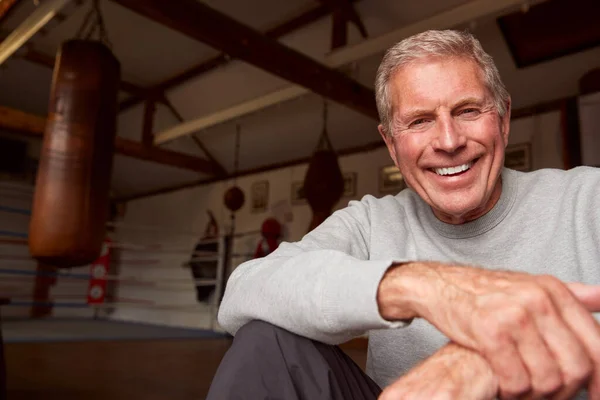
x=539 y=301
x=518 y=317
x=552 y=282
x=491 y=337
x=514 y=390
x=494 y=323
x=551 y=384
x=555 y=287
x=578 y=373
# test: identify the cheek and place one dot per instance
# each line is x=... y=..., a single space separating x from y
x=409 y=149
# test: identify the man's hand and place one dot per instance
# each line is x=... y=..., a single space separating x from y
x=536 y=332
x=453 y=372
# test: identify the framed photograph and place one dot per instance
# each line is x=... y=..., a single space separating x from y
x=260 y=196
x=349 y=184
x=298 y=196
x=390 y=180
x=518 y=157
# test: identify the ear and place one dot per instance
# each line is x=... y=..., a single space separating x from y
x=389 y=142
x=505 y=123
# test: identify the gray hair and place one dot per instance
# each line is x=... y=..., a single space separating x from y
x=446 y=43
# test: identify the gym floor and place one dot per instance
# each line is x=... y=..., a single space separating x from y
x=132 y=367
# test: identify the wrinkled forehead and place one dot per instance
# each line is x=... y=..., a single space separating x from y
x=433 y=76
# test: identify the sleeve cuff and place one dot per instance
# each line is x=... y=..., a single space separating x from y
x=352 y=306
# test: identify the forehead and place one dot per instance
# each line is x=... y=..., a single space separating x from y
x=436 y=81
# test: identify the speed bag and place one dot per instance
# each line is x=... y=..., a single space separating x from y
x=71 y=200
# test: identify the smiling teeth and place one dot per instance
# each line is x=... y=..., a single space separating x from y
x=453 y=170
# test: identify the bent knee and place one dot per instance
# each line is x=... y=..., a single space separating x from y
x=257 y=327
x=257 y=331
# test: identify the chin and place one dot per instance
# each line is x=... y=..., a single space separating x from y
x=457 y=211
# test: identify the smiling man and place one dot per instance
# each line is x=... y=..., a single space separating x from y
x=447 y=136
x=475 y=282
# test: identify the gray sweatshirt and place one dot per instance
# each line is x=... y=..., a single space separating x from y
x=324 y=286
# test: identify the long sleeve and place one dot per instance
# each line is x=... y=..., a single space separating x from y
x=323 y=287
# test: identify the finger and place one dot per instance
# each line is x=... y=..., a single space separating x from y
x=544 y=370
x=501 y=352
x=568 y=352
x=583 y=325
x=594 y=388
x=588 y=295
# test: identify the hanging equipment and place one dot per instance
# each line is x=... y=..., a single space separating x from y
x=234 y=196
x=324 y=182
x=71 y=200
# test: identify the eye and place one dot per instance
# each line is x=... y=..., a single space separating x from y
x=469 y=112
x=419 y=121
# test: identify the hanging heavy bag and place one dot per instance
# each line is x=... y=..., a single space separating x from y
x=324 y=182
x=71 y=201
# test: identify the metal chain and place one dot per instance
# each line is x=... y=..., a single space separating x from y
x=236 y=159
x=92 y=23
x=324 y=141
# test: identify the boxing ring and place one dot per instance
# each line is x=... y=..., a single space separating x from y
x=138 y=288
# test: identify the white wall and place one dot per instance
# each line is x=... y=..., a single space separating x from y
x=17 y=268
x=15 y=256
x=589 y=116
x=543 y=132
x=185 y=211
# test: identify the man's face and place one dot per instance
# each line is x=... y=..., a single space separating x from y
x=447 y=137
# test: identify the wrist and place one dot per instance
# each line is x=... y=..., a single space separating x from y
x=469 y=366
x=403 y=291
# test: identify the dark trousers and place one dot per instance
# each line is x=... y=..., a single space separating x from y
x=267 y=362
x=3 y=391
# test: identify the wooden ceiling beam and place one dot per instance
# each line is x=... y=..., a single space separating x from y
x=155 y=154
x=300 y=21
x=222 y=32
x=148 y=123
x=461 y=14
x=5 y=7
x=348 y=12
x=47 y=60
x=17 y=121
x=221 y=171
x=21 y=122
x=339 y=30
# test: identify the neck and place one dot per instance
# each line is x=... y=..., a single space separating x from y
x=473 y=214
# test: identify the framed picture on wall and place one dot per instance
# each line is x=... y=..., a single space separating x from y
x=390 y=179
x=297 y=194
x=349 y=184
x=518 y=157
x=260 y=196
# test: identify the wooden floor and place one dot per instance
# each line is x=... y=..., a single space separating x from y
x=151 y=369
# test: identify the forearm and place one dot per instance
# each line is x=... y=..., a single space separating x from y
x=453 y=372
x=325 y=295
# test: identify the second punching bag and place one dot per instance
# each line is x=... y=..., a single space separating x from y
x=71 y=201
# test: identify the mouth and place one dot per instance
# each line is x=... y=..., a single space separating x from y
x=454 y=171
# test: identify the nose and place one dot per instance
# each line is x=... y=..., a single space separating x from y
x=449 y=137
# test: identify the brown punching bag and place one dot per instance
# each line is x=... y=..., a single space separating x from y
x=324 y=181
x=71 y=201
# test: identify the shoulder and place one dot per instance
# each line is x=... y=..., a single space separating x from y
x=384 y=206
x=555 y=185
x=549 y=178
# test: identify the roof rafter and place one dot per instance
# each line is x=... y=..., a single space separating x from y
x=220 y=31
x=461 y=14
x=305 y=18
x=32 y=125
x=47 y=60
